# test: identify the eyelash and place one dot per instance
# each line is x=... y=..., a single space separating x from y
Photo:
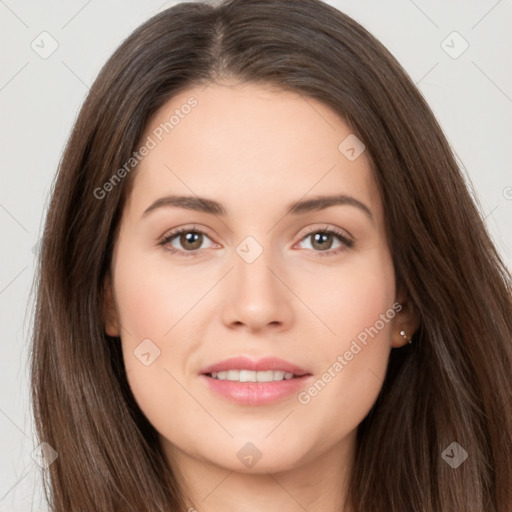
x=329 y=231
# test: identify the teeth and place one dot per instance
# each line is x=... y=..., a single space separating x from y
x=250 y=376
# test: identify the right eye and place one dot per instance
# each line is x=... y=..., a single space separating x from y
x=190 y=239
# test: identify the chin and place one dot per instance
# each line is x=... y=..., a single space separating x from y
x=248 y=457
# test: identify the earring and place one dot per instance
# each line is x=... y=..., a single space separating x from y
x=402 y=333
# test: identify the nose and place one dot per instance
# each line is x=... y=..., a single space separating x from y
x=257 y=295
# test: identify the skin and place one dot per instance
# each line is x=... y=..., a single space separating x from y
x=254 y=149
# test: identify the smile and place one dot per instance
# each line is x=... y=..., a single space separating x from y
x=252 y=376
x=245 y=381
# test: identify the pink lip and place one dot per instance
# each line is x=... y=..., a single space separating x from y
x=255 y=393
x=261 y=365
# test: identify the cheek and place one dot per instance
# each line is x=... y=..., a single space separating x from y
x=151 y=304
x=358 y=306
x=349 y=299
x=156 y=308
x=152 y=298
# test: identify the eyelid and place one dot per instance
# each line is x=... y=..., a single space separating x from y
x=190 y=227
x=326 y=228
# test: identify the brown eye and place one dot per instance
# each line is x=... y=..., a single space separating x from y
x=322 y=240
x=185 y=241
x=191 y=240
x=327 y=242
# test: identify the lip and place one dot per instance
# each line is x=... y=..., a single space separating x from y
x=260 y=365
x=255 y=393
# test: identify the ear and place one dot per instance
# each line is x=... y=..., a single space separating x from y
x=406 y=320
x=110 y=316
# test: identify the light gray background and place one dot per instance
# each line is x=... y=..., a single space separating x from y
x=471 y=96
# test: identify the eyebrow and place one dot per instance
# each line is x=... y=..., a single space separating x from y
x=201 y=204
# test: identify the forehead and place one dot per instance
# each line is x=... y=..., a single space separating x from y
x=244 y=144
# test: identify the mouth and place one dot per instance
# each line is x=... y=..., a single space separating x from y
x=253 y=376
x=248 y=382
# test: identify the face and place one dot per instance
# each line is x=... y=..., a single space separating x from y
x=281 y=274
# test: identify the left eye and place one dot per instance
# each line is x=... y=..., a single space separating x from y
x=322 y=241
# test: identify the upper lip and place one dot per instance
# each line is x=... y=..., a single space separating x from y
x=259 y=365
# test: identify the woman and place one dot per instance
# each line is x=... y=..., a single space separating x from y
x=264 y=284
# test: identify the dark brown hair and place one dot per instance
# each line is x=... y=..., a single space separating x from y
x=453 y=384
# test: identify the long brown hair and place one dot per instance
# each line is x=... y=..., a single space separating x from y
x=452 y=384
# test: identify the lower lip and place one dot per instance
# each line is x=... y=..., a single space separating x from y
x=256 y=393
